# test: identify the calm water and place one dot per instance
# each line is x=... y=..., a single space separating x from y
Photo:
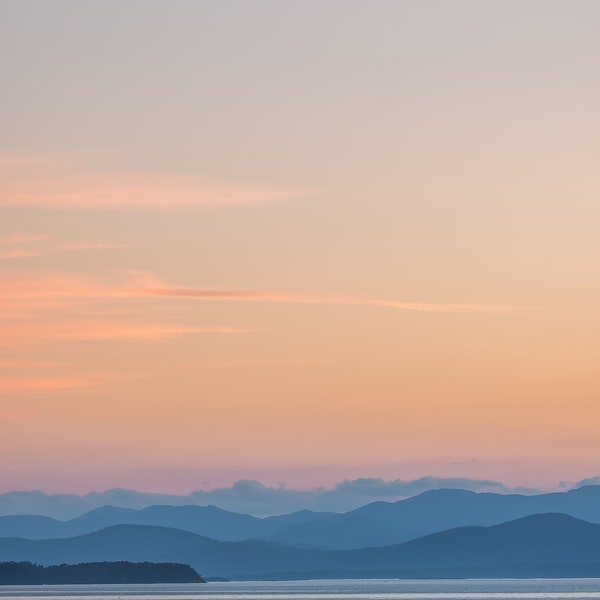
x=349 y=589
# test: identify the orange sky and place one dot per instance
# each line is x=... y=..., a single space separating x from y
x=298 y=242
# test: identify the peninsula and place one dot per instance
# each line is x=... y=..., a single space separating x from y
x=28 y=573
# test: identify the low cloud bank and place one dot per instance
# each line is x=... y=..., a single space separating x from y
x=569 y=485
x=250 y=497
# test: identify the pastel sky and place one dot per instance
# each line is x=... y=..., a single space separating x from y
x=298 y=242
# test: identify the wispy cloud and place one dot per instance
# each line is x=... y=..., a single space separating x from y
x=107 y=330
x=68 y=186
x=57 y=307
x=38 y=311
x=292 y=298
x=12 y=239
x=23 y=245
x=44 y=384
x=61 y=286
x=256 y=364
x=18 y=253
x=25 y=287
x=92 y=246
x=22 y=363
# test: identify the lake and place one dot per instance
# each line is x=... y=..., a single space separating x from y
x=333 y=589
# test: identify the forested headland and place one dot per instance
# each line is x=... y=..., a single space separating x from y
x=28 y=573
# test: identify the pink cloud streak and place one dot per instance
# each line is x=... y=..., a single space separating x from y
x=11 y=239
x=57 y=287
x=62 y=186
x=44 y=384
x=27 y=364
x=18 y=253
x=38 y=309
x=91 y=246
x=102 y=330
x=290 y=298
x=21 y=245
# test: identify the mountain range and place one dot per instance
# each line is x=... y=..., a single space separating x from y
x=538 y=545
x=376 y=524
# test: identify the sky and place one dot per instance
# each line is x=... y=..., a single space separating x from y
x=298 y=242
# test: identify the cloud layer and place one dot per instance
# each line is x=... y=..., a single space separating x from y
x=248 y=496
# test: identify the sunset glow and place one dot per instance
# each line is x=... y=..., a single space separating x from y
x=298 y=243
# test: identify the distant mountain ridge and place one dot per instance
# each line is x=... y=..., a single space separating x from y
x=248 y=497
x=208 y=521
x=375 y=524
x=383 y=523
x=538 y=545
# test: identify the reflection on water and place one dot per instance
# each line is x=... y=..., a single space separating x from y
x=346 y=589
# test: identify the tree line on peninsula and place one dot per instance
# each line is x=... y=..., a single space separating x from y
x=28 y=573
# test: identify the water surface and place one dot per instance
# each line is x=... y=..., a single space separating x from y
x=332 y=589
